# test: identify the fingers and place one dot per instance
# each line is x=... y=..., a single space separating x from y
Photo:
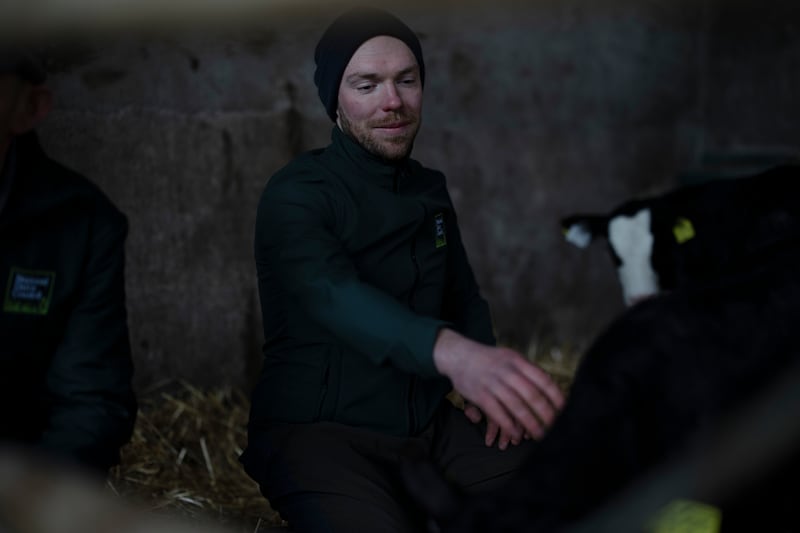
x=492 y=430
x=523 y=415
x=473 y=413
x=503 y=438
x=506 y=411
x=528 y=395
x=541 y=380
x=506 y=439
x=497 y=417
x=523 y=396
x=515 y=394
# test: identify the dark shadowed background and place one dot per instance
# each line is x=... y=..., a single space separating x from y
x=534 y=110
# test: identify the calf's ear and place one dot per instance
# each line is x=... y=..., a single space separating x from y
x=581 y=230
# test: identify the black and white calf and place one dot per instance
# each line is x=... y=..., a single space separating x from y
x=673 y=367
x=696 y=233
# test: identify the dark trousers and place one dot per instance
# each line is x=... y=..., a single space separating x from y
x=326 y=477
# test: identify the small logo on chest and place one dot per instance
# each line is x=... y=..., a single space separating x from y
x=441 y=231
x=29 y=291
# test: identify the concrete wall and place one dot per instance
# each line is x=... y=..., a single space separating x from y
x=533 y=110
x=545 y=111
x=752 y=81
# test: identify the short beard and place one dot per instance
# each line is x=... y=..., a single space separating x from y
x=392 y=149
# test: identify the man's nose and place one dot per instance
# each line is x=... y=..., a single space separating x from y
x=391 y=99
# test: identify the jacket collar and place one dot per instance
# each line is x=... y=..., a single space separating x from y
x=385 y=173
x=38 y=184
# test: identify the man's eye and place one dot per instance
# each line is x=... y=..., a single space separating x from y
x=409 y=81
x=365 y=87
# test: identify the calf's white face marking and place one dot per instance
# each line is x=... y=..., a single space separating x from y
x=632 y=241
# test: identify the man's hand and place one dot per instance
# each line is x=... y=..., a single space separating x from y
x=516 y=396
x=493 y=431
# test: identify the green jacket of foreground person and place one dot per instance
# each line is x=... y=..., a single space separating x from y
x=65 y=360
x=348 y=242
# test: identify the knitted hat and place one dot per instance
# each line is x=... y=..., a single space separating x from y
x=27 y=64
x=341 y=40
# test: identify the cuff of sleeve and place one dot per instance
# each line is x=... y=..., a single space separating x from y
x=420 y=338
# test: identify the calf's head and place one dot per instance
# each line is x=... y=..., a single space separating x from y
x=635 y=243
x=696 y=234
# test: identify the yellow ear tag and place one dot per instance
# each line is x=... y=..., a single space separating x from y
x=686 y=516
x=683 y=230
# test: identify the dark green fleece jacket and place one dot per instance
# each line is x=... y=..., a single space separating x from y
x=65 y=360
x=360 y=263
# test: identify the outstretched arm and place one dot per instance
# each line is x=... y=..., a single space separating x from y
x=512 y=392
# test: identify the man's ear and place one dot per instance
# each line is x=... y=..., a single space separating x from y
x=34 y=105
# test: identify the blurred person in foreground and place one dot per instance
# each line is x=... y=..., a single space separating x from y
x=372 y=314
x=65 y=359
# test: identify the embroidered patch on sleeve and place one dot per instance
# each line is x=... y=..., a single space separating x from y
x=29 y=291
x=441 y=231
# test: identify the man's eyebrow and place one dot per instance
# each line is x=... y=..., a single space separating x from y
x=370 y=76
x=358 y=76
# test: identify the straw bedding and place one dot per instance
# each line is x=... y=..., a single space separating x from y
x=183 y=458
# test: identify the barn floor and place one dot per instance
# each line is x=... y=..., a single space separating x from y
x=183 y=457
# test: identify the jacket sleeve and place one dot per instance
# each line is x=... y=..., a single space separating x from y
x=463 y=304
x=296 y=242
x=91 y=403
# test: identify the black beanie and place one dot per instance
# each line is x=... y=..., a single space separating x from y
x=341 y=40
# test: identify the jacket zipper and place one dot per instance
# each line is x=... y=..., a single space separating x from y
x=416 y=274
x=412 y=384
x=323 y=392
x=412 y=406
